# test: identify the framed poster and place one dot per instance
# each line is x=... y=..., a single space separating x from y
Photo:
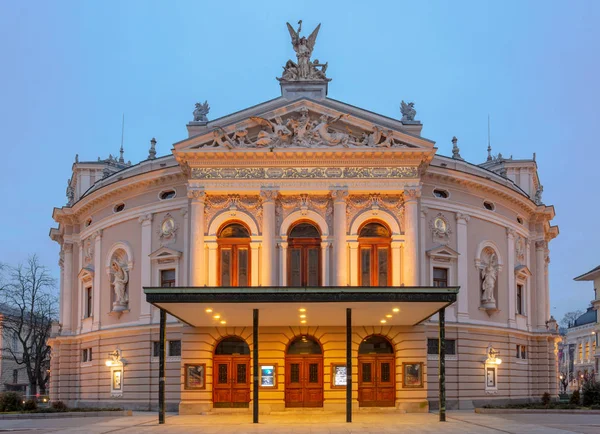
x=338 y=375
x=195 y=376
x=268 y=376
x=412 y=374
x=117 y=379
x=490 y=377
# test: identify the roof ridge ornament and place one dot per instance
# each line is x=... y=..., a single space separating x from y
x=304 y=69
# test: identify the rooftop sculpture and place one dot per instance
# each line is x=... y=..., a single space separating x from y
x=304 y=70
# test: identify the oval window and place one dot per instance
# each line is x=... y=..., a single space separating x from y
x=442 y=194
x=88 y=222
x=118 y=208
x=489 y=206
x=167 y=194
x=519 y=220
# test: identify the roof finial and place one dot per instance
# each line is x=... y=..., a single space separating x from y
x=455 y=149
x=489 y=149
x=152 y=151
x=121 y=159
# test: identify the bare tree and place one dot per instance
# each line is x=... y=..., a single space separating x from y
x=27 y=292
x=570 y=317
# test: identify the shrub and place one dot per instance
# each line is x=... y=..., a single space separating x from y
x=30 y=405
x=546 y=399
x=59 y=406
x=11 y=401
x=575 y=398
x=591 y=393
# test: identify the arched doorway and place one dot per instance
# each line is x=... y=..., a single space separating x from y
x=304 y=255
x=376 y=373
x=234 y=255
x=304 y=373
x=374 y=240
x=231 y=373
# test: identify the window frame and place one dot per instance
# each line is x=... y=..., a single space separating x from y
x=304 y=244
x=436 y=356
x=434 y=280
x=235 y=244
x=374 y=244
x=154 y=356
x=160 y=277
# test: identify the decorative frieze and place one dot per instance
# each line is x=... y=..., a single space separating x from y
x=358 y=203
x=304 y=173
x=215 y=204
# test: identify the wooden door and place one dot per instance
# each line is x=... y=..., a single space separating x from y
x=376 y=381
x=231 y=381
x=304 y=264
x=304 y=381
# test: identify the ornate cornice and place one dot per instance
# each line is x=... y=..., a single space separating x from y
x=405 y=172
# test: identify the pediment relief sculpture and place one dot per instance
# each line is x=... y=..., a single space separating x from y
x=302 y=129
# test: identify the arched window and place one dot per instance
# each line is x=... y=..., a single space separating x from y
x=375 y=344
x=234 y=255
x=374 y=249
x=304 y=345
x=231 y=346
x=304 y=255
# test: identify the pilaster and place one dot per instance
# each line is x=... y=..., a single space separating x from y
x=197 y=198
x=325 y=263
x=340 y=266
x=411 y=231
x=512 y=300
x=462 y=221
x=540 y=283
x=269 y=260
x=283 y=261
x=97 y=279
x=145 y=265
x=67 y=308
x=212 y=263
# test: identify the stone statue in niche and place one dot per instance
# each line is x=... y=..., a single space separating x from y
x=120 y=278
x=489 y=276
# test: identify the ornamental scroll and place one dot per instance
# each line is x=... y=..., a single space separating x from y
x=216 y=204
x=355 y=204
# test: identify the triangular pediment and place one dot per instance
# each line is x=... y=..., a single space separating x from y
x=86 y=273
x=302 y=125
x=164 y=253
x=443 y=252
x=522 y=271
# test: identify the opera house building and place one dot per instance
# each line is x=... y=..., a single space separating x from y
x=303 y=252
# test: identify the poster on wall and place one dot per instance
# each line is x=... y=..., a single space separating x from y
x=490 y=377
x=413 y=374
x=117 y=378
x=268 y=376
x=338 y=375
x=195 y=376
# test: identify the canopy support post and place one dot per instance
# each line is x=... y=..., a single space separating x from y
x=255 y=365
x=161 y=366
x=348 y=365
x=442 y=365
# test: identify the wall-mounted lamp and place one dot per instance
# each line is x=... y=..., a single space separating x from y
x=115 y=359
x=492 y=356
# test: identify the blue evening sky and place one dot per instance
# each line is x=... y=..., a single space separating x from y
x=71 y=68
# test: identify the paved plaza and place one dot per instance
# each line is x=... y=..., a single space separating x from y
x=460 y=422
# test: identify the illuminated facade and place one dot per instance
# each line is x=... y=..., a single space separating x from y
x=298 y=209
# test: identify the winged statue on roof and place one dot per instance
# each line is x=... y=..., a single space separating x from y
x=303 y=46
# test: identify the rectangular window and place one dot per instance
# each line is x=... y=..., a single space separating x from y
x=242 y=266
x=520 y=309
x=433 y=346
x=365 y=267
x=382 y=266
x=88 y=302
x=156 y=349
x=86 y=355
x=15 y=376
x=521 y=352
x=167 y=278
x=295 y=267
x=440 y=277
x=174 y=348
x=226 y=267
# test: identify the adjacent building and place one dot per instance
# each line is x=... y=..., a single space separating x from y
x=322 y=218
x=593 y=353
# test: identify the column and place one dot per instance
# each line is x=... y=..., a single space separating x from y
x=424 y=270
x=97 y=291
x=161 y=366
x=146 y=267
x=185 y=265
x=283 y=261
x=540 y=284
x=255 y=372
x=68 y=289
x=354 y=281
x=212 y=263
x=442 y=364
x=462 y=266
x=411 y=232
x=348 y=365
x=340 y=262
x=254 y=263
x=325 y=263
x=512 y=298
x=547 y=281
x=528 y=286
x=79 y=287
x=197 y=197
x=396 y=254
x=268 y=235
